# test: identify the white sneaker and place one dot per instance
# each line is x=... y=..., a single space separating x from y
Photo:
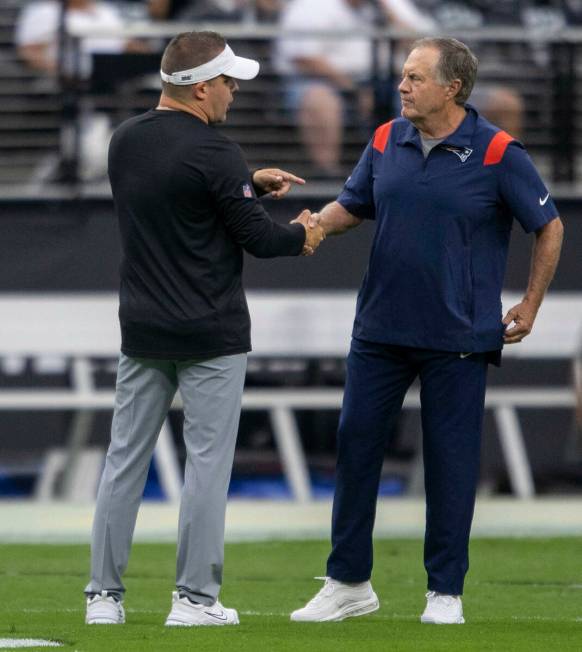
x=336 y=601
x=187 y=614
x=443 y=609
x=104 y=609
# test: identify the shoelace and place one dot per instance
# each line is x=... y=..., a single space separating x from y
x=215 y=605
x=103 y=597
x=445 y=599
x=326 y=589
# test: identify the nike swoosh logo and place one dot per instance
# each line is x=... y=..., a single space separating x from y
x=465 y=355
x=544 y=200
x=217 y=616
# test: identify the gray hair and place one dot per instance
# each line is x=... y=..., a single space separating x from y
x=456 y=61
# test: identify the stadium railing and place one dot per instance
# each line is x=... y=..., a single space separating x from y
x=549 y=85
x=550 y=89
x=82 y=327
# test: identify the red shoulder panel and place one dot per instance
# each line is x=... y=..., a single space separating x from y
x=497 y=147
x=381 y=136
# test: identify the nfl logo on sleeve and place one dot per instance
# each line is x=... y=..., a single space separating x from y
x=247 y=192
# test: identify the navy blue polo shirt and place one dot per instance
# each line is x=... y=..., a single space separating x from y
x=443 y=224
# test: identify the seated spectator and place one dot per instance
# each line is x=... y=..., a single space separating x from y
x=37 y=41
x=319 y=72
x=37 y=33
x=498 y=102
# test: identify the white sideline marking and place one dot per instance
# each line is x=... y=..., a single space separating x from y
x=56 y=611
x=11 y=643
x=547 y=619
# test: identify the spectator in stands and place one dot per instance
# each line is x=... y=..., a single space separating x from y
x=37 y=40
x=319 y=72
x=443 y=185
x=37 y=33
x=499 y=102
x=187 y=208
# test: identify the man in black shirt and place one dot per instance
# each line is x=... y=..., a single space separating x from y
x=187 y=208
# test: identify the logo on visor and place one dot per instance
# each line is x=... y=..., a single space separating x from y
x=462 y=152
x=185 y=77
x=247 y=192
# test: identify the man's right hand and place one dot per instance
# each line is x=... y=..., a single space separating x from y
x=314 y=234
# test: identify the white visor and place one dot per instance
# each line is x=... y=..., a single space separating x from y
x=226 y=63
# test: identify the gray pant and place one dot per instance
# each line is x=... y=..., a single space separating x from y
x=211 y=391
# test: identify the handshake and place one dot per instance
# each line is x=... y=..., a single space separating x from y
x=314 y=233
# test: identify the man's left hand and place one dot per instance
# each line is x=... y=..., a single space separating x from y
x=523 y=315
x=276 y=182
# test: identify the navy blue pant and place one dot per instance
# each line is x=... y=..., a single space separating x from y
x=452 y=398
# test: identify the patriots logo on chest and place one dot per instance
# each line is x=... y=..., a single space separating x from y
x=462 y=152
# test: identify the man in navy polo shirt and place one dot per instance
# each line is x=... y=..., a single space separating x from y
x=443 y=185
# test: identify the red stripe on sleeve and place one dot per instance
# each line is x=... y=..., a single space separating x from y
x=381 y=136
x=497 y=147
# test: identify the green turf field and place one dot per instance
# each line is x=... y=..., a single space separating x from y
x=520 y=595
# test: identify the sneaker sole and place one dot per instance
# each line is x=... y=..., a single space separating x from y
x=427 y=620
x=179 y=623
x=351 y=611
x=103 y=621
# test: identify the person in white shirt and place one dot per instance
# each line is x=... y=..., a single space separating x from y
x=37 y=43
x=37 y=33
x=320 y=70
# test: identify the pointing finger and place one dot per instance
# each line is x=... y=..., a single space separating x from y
x=287 y=176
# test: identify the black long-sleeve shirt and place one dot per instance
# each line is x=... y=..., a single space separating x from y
x=186 y=208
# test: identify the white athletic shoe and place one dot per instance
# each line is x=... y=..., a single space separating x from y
x=104 y=609
x=336 y=601
x=187 y=614
x=443 y=609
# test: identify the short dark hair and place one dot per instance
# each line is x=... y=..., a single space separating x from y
x=456 y=61
x=189 y=50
